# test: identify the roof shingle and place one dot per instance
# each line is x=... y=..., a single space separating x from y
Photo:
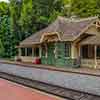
x=69 y=29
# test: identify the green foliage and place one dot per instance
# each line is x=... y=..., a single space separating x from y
x=84 y=8
x=37 y=14
x=1 y=49
x=27 y=18
x=15 y=8
x=3 y=8
x=98 y=7
x=7 y=39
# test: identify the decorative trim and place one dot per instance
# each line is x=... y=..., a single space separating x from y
x=86 y=28
x=49 y=34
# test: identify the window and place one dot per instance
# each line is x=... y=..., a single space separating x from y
x=22 y=51
x=67 y=49
x=29 y=51
x=98 y=52
x=91 y=51
x=87 y=51
x=36 y=52
x=84 y=51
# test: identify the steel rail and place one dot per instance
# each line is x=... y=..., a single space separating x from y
x=48 y=88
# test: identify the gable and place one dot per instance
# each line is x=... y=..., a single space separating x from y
x=92 y=30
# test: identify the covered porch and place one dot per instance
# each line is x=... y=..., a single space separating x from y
x=29 y=53
x=90 y=52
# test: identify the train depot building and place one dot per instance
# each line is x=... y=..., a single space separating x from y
x=65 y=42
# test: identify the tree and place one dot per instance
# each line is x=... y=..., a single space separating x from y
x=66 y=11
x=7 y=42
x=26 y=19
x=1 y=49
x=84 y=8
x=3 y=9
x=15 y=8
x=46 y=11
x=37 y=14
x=98 y=7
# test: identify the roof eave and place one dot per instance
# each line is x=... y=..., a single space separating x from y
x=84 y=30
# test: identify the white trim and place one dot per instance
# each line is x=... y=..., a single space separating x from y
x=19 y=52
x=55 y=51
x=46 y=51
x=32 y=52
x=40 y=52
x=25 y=51
x=95 y=52
x=72 y=50
x=49 y=34
x=84 y=30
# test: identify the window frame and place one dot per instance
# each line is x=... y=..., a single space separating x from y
x=67 y=50
x=28 y=52
x=35 y=54
x=22 y=52
x=85 y=52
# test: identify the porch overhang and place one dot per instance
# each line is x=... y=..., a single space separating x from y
x=91 y=40
x=45 y=37
x=28 y=45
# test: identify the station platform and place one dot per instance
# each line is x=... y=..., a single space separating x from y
x=80 y=79
x=79 y=70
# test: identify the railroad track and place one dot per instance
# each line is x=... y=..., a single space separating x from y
x=51 y=89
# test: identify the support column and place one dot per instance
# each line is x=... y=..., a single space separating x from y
x=46 y=51
x=40 y=51
x=19 y=52
x=80 y=51
x=25 y=51
x=95 y=56
x=72 y=50
x=55 y=50
x=75 y=51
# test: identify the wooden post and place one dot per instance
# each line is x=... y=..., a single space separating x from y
x=80 y=51
x=95 y=56
x=55 y=50
x=19 y=52
x=40 y=51
x=46 y=51
x=32 y=52
x=72 y=50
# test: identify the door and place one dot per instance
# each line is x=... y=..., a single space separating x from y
x=50 y=53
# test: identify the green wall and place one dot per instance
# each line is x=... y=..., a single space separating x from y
x=61 y=60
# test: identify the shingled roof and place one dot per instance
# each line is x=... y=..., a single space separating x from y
x=67 y=29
